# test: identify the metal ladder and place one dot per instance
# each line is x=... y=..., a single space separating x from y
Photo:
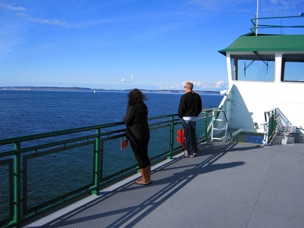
x=220 y=126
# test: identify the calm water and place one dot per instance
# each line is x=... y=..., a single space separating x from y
x=32 y=112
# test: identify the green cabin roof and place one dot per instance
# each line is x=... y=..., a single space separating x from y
x=250 y=42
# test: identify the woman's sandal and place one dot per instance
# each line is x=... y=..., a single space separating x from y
x=140 y=182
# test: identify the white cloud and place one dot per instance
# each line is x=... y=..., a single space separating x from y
x=11 y=7
x=123 y=80
x=11 y=36
x=45 y=21
x=201 y=85
x=219 y=84
x=198 y=85
x=170 y=87
x=20 y=12
x=13 y=32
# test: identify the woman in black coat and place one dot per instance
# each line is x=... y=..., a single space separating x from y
x=138 y=133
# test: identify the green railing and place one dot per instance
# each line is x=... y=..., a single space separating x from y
x=270 y=125
x=281 y=22
x=43 y=171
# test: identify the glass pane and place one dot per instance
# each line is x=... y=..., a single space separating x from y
x=293 y=68
x=252 y=68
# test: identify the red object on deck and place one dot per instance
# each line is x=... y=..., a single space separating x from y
x=124 y=144
x=181 y=137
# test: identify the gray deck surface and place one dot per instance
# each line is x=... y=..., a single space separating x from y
x=226 y=185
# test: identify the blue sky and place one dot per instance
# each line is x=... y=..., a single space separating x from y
x=123 y=44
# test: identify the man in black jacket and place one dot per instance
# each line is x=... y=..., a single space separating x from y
x=190 y=107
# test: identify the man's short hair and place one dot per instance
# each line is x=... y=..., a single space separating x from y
x=189 y=85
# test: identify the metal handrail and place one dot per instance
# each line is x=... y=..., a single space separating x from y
x=228 y=133
x=256 y=26
x=270 y=124
x=29 y=164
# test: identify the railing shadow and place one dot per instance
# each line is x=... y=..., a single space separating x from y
x=137 y=208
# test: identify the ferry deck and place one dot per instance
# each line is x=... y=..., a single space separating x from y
x=225 y=185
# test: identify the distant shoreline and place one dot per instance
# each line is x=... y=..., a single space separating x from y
x=83 y=89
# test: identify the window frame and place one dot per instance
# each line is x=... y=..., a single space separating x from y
x=236 y=58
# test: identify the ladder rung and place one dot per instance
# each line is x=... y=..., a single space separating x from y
x=219 y=138
x=220 y=120
x=219 y=129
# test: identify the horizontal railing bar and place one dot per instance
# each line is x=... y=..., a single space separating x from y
x=63 y=143
x=70 y=131
x=56 y=133
x=53 y=144
x=52 y=148
x=161 y=117
x=277 y=17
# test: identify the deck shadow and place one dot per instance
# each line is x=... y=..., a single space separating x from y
x=167 y=181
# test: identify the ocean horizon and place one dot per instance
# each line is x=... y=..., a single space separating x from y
x=33 y=112
x=87 y=89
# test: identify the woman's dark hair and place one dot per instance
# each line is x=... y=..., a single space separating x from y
x=135 y=97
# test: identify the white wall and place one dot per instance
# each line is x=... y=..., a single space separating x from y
x=248 y=100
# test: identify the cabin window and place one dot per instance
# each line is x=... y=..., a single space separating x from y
x=252 y=67
x=293 y=68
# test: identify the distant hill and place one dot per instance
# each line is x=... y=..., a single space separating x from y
x=83 y=89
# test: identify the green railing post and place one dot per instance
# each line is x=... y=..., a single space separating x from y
x=17 y=184
x=206 y=126
x=97 y=163
x=272 y=122
x=101 y=156
x=171 y=143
